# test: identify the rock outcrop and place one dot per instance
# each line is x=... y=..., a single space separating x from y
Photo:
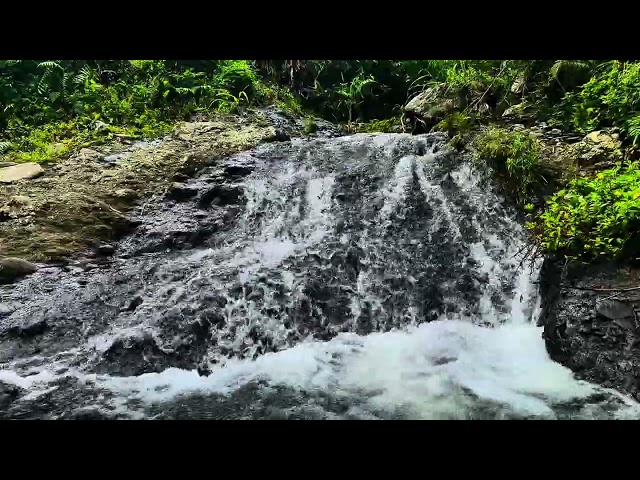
x=599 y=150
x=429 y=107
x=83 y=200
x=591 y=323
x=22 y=171
x=13 y=268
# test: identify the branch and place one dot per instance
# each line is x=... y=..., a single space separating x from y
x=596 y=289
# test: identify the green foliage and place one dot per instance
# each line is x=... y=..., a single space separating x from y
x=375 y=126
x=310 y=125
x=598 y=217
x=279 y=96
x=610 y=98
x=352 y=92
x=456 y=141
x=515 y=153
x=632 y=127
x=457 y=122
x=54 y=102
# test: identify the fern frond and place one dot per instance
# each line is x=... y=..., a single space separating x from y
x=84 y=74
x=50 y=65
x=632 y=127
x=43 y=86
x=65 y=78
x=4 y=147
x=560 y=65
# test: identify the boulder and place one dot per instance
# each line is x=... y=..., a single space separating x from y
x=20 y=200
x=614 y=309
x=57 y=149
x=221 y=195
x=13 y=268
x=179 y=191
x=88 y=154
x=599 y=149
x=105 y=249
x=22 y=171
x=518 y=85
x=517 y=112
x=430 y=108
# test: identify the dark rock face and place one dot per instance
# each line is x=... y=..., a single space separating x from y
x=8 y=393
x=594 y=333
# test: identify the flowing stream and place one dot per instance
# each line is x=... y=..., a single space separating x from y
x=358 y=277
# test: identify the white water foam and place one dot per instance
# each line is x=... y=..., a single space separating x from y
x=436 y=370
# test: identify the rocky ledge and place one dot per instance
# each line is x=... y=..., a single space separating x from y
x=590 y=316
x=51 y=213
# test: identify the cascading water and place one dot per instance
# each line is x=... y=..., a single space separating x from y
x=367 y=276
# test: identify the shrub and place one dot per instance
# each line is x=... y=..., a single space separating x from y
x=610 y=97
x=516 y=154
x=51 y=107
x=385 y=126
x=594 y=217
x=454 y=123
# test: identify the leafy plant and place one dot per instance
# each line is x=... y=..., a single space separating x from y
x=632 y=127
x=352 y=92
x=51 y=102
x=598 y=217
x=454 y=123
x=310 y=126
x=515 y=153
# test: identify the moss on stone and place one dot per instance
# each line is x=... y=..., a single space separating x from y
x=379 y=126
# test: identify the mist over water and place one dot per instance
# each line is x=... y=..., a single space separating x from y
x=367 y=276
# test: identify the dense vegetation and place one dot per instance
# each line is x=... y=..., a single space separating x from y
x=594 y=217
x=51 y=107
x=515 y=154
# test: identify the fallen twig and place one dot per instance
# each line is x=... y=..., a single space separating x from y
x=597 y=289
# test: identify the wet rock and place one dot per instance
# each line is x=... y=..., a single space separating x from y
x=203 y=370
x=28 y=329
x=237 y=166
x=12 y=269
x=22 y=171
x=88 y=154
x=599 y=149
x=231 y=214
x=5 y=310
x=220 y=195
x=8 y=394
x=278 y=136
x=429 y=107
x=615 y=309
x=133 y=356
x=597 y=337
x=106 y=249
x=180 y=191
x=133 y=304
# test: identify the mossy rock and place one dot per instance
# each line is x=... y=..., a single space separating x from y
x=82 y=203
x=12 y=269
